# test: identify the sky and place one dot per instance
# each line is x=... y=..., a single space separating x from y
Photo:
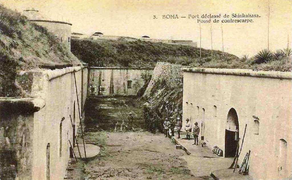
x=135 y=18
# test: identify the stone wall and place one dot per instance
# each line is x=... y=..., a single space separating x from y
x=16 y=138
x=224 y=101
x=170 y=73
x=40 y=130
x=163 y=96
x=117 y=81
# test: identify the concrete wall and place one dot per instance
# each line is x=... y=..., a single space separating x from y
x=117 y=81
x=264 y=97
x=57 y=88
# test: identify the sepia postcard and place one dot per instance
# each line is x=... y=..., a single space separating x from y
x=145 y=89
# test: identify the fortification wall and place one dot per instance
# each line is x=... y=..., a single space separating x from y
x=261 y=100
x=16 y=138
x=39 y=128
x=117 y=81
x=61 y=30
x=57 y=123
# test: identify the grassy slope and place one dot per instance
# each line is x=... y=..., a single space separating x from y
x=140 y=53
x=146 y=54
x=25 y=45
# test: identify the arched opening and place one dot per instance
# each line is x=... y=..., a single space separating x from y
x=48 y=162
x=203 y=125
x=282 y=158
x=231 y=133
x=61 y=137
x=256 y=127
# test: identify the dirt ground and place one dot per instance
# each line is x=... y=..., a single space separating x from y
x=134 y=155
x=108 y=113
x=127 y=155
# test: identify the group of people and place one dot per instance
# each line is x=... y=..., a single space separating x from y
x=170 y=127
x=169 y=131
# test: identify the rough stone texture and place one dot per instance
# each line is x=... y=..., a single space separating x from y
x=29 y=125
x=16 y=140
x=170 y=73
x=25 y=45
x=255 y=97
x=163 y=96
x=118 y=81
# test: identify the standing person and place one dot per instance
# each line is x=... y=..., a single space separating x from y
x=172 y=126
x=178 y=126
x=188 y=129
x=131 y=120
x=196 y=132
x=166 y=125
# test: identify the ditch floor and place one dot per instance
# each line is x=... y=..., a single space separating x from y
x=133 y=155
x=112 y=113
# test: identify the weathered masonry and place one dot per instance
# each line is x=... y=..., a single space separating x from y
x=62 y=30
x=109 y=81
x=224 y=101
x=36 y=132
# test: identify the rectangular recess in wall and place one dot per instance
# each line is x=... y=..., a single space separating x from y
x=129 y=84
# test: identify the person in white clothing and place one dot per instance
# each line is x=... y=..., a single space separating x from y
x=188 y=129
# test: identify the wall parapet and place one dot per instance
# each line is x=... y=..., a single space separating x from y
x=53 y=74
x=241 y=72
x=121 y=68
x=50 y=21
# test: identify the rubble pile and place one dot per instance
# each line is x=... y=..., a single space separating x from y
x=163 y=96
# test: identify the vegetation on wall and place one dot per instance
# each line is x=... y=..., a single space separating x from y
x=25 y=45
x=163 y=97
x=141 y=54
x=147 y=54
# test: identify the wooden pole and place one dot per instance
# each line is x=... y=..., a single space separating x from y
x=80 y=117
x=211 y=34
x=222 y=38
x=200 y=41
x=269 y=11
x=288 y=42
x=242 y=139
x=76 y=141
x=236 y=158
x=238 y=152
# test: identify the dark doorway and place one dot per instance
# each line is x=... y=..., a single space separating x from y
x=231 y=133
x=230 y=144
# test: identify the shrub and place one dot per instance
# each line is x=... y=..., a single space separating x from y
x=279 y=54
x=244 y=58
x=263 y=56
x=287 y=52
